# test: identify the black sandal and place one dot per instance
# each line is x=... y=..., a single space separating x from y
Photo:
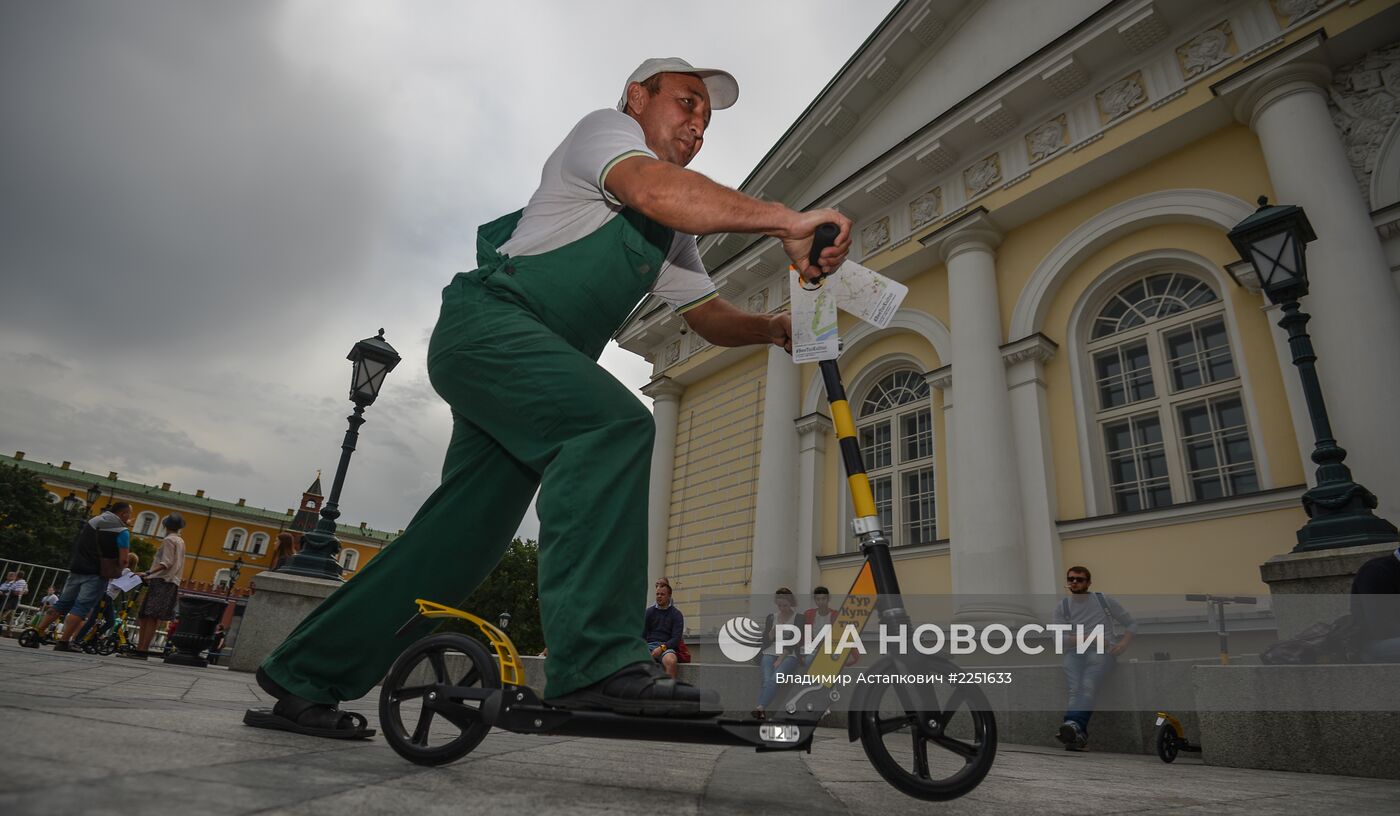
x=645 y=690
x=302 y=716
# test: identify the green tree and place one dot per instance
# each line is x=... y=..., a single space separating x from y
x=32 y=528
x=512 y=587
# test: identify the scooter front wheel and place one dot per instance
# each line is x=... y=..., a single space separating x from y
x=1166 y=742
x=419 y=720
x=932 y=743
x=30 y=639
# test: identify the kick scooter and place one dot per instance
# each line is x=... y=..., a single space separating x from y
x=1170 y=738
x=930 y=742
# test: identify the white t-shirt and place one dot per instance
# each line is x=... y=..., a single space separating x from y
x=572 y=202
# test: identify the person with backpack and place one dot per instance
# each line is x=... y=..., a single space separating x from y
x=1086 y=673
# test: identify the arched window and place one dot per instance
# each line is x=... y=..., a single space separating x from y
x=234 y=541
x=146 y=523
x=1166 y=396
x=222 y=578
x=895 y=430
x=349 y=559
x=257 y=545
x=54 y=499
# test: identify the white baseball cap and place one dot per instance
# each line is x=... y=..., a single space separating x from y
x=724 y=90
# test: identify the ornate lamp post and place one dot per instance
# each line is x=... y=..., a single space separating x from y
x=1273 y=241
x=503 y=621
x=373 y=358
x=233 y=577
x=74 y=508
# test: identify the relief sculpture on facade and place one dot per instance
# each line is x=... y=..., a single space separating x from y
x=876 y=235
x=981 y=176
x=926 y=207
x=1206 y=50
x=1047 y=139
x=1121 y=97
x=1365 y=99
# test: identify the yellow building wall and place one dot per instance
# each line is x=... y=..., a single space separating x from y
x=922 y=575
x=718 y=441
x=206 y=533
x=1220 y=556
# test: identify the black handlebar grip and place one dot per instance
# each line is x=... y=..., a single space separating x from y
x=823 y=237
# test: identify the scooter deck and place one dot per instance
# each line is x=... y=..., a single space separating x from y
x=519 y=710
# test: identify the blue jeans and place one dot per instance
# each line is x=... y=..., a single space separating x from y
x=1381 y=651
x=772 y=666
x=1084 y=676
x=80 y=592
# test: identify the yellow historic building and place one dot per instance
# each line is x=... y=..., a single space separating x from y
x=217 y=532
x=1075 y=375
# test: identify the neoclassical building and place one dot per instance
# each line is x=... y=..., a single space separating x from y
x=1075 y=375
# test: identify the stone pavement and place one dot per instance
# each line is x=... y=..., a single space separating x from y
x=97 y=735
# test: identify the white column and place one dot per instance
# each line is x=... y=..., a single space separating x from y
x=942 y=379
x=1353 y=301
x=775 y=521
x=812 y=433
x=665 y=396
x=1030 y=415
x=988 y=547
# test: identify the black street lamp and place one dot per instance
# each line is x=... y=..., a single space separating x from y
x=503 y=621
x=233 y=577
x=373 y=359
x=1273 y=242
x=93 y=494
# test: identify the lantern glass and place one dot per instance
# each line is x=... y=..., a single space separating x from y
x=72 y=503
x=1276 y=259
x=93 y=494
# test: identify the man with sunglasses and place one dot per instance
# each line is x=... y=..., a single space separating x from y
x=1086 y=673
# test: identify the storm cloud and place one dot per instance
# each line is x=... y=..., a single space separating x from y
x=204 y=205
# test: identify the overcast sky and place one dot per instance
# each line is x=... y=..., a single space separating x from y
x=204 y=205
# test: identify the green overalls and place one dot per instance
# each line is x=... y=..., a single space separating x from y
x=514 y=354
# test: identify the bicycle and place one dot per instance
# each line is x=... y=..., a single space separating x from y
x=896 y=726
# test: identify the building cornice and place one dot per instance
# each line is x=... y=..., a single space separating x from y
x=813 y=424
x=1144 y=62
x=1036 y=347
x=940 y=378
x=663 y=388
x=1265 y=501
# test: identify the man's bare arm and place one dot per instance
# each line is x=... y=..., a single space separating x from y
x=688 y=201
x=724 y=324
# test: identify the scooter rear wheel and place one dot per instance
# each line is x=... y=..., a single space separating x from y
x=418 y=723
x=931 y=742
x=1166 y=742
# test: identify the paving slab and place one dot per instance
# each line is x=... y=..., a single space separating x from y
x=95 y=735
